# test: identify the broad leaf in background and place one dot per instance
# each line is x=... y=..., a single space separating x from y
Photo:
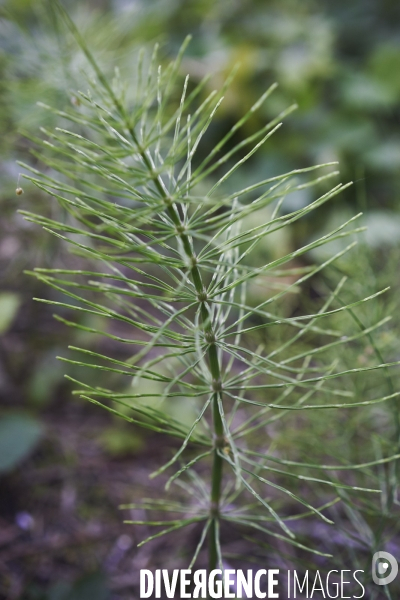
x=9 y=305
x=19 y=435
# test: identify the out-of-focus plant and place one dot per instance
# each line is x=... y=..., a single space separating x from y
x=169 y=258
x=19 y=435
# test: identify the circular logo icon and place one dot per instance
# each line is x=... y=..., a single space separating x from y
x=384 y=568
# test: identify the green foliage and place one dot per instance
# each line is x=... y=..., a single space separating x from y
x=19 y=435
x=172 y=251
x=120 y=441
x=9 y=304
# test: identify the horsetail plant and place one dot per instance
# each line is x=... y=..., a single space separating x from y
x=171 y=255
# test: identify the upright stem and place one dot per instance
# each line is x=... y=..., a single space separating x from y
x=216 y=477
x=218 y=428
x=216 y=474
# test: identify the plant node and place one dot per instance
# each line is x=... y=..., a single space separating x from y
x=180 y=229
x=210 y=336
x=202 y=297
x=217 y=385
x=220 y=442
x=193 y=260
x=214 y=510
x=168 y=201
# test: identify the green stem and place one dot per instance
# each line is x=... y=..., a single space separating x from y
x=216 y=473
x=218 y=428
x=173 y=212
x=217 y=466
x=215 y=493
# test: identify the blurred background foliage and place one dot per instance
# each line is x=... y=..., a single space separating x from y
x=339 y=61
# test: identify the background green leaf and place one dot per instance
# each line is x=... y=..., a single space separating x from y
x=19 y=434
x=9 y=305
